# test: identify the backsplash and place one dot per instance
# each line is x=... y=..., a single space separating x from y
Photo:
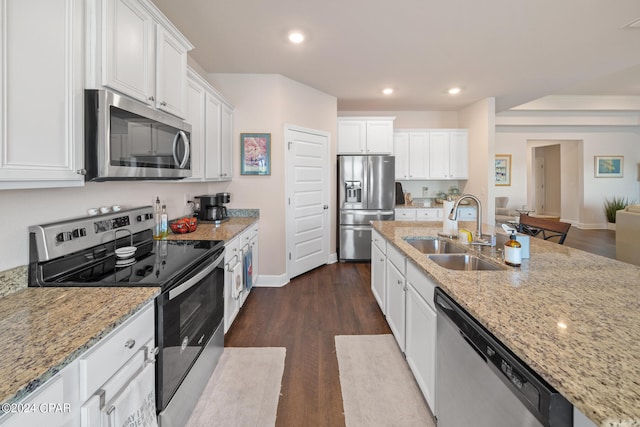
x=13 y=280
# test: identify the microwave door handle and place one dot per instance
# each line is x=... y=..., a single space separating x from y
x=181 y=135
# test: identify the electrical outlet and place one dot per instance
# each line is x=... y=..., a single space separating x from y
x=187 y=199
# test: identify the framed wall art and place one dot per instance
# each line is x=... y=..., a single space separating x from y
x=609 y=166
x=255 y=154
x=503 y=169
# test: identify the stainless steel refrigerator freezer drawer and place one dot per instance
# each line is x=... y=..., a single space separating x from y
x=364 y=217
x=355 y=242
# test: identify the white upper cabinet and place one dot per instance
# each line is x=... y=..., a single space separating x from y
x=365 y=135
x=41 y=108
x=211 y=119
x=449 y=155
x=135 y=50
x=411 y=150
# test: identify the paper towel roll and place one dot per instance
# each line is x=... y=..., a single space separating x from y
x=448 y=226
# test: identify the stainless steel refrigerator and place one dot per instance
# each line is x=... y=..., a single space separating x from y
x=366 y=192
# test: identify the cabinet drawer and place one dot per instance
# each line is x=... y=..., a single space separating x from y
x=379 y=241
x=428 y=214
x=466 y=213
x=405 y=214
x=103 y=360
x=397 y=258
x=422 y=284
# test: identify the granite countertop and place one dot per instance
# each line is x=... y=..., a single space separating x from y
x=44 y=329
x=572 y=316
x=224 y=231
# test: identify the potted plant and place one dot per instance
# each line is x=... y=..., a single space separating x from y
x=612 y=206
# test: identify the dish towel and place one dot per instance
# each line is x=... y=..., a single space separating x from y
x=136 y=405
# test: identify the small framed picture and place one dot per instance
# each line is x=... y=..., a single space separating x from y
x=255 y=154
x=503 y=169
x=609 y=166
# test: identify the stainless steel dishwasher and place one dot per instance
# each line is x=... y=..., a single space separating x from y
x=480 y=383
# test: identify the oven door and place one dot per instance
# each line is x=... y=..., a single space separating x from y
x=188 y=315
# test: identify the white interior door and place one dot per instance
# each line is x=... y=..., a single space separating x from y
x=307 y=199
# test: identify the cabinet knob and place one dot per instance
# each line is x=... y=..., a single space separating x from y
x=81 y=171
x=399 y=282
x=164 y=104
x=130 y=343
x=151 y=98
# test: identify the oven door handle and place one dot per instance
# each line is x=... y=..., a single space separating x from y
x=178 y=290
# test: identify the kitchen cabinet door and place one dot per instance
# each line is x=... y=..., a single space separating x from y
x=396 y=302
x=232 y=274
x=255 y=250
x=213 y=108
x=352 y=136
x=171 y=73
x=378 y=275
x=196 y=97
x=402 y=155
x=405 y=214
x=226 y=143
x=431 y=214
x=379 y=137
x=420 y=347
x=439 y=155
x=41 y=110
x=129 y=64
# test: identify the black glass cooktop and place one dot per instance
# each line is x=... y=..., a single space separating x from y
x=154 y=263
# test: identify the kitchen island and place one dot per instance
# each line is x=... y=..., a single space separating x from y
x=572 y=316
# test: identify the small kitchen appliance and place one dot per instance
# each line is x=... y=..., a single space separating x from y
x=118 y=249
x=210 y=208
x=127 y=140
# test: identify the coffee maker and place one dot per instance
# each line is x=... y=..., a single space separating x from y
x=210 y=207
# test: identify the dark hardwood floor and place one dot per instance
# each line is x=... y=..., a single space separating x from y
x=600 y=242
x=305 y=316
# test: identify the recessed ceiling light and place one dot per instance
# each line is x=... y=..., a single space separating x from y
x=296 y=37
x=454 y=91
x=387 y=91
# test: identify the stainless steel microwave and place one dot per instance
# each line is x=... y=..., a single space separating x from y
x=127 y=140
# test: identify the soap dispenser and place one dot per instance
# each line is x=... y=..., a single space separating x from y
x=512 y=251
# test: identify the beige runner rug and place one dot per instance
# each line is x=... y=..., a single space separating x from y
x=378 y=388
x=244 y=389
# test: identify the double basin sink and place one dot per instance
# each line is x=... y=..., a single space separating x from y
x=450 y=256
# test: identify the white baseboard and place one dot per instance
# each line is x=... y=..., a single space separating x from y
x=590 y=226
x=269 y=281
x=333 y=258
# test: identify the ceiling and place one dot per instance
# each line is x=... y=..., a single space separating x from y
x=513 y=50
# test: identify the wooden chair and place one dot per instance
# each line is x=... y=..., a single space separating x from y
x=534 y=226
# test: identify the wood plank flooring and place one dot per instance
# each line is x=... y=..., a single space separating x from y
x=305 y=316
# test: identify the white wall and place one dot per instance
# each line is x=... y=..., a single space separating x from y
x=21 y=208
x=413 y=119
x=479 y=118
x=601 y=140
x=264 y=103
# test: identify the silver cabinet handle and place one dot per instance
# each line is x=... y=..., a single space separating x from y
x=130 y=343
x=81 y=171
x=151 y=98
x=164 y=104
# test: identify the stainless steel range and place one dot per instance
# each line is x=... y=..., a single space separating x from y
x=117 y=249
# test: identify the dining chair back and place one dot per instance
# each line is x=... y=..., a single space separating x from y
x=548 y=227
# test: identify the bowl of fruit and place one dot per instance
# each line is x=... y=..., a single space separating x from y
x=184 y=225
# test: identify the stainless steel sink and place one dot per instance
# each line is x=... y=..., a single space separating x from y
x=464 y=262
x=434 y=246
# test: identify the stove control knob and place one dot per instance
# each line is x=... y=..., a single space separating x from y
x=65 y=236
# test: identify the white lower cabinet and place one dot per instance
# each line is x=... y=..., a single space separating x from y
x=255 y=253
x=395 y=298
x=420 y=338
x=378 y=270
x=233 y=283
x=405 y=214
x=72 y=397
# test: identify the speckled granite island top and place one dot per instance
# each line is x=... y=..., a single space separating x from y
x=572 y=316
x=44 y=329
x=224 y=231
